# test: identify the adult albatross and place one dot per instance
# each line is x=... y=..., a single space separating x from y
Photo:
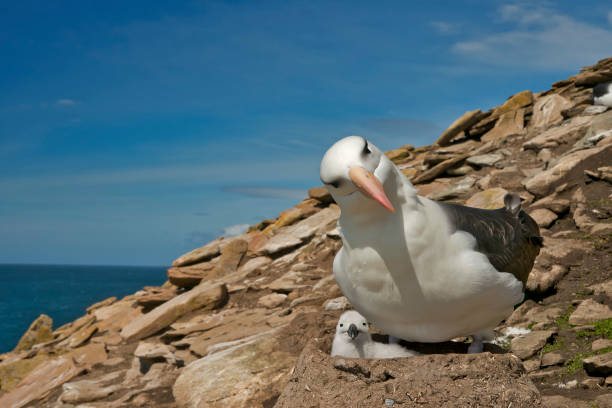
x=418 y=269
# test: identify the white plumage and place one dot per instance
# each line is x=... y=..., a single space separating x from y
x=602 y=94
x=410 y=272
x=353 y=340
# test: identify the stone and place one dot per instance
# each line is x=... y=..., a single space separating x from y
x=339 y=303
x=13 y=371
x=435 y=380
x=271 y=301
x=547 y=110
x=460 y=171
x=608 y=382
x=600 y=128
x=589 y=311
x=253 y=265
x=41 y=381
x=594 y=109
x=89 y=390
x=489 y=199
x=237 y=328
x=519 y=100
x=461 y=124
x=557 y=205
x=153 y=299
x=205 y=253
x=455 y=190
x=541 y=281
x=321 y=194
x=438 y=169
x=295 y=235
x=80 y=337
x=542 y=183
x=559 y=250
x=484 y=160
x=189 y=276
x=530 y=313
x=545 y=155
x=150 y=353
x=102 y=303
x=236 y=376
x=553 y=358
x=599 y=366
x=559 y=401
x=543 y=217
x=401 y=153
x=68 y=329
x=117 y=315
x=231 y=255
x=601 y=344
x=509 y=123
x=604 y=288
x=40 y=331
x=527 y=345
x=603 y=401
x=563 y=134
x=206 y=296
x=593 y=78
x=593 y=383
x=289 y=217
x=88 y=355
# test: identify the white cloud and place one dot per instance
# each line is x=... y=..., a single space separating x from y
x=65 y=102
x=443 y=27
x=540 y=38
x=234 y=230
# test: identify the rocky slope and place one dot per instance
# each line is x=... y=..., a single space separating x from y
x=248 y=320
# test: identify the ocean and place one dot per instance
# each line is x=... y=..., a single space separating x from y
x=62 y=292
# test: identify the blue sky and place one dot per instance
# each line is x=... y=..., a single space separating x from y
x=131 y=132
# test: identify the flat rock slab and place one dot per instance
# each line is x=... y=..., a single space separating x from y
x=40 y=382
x=435 y=380
x=590 y=311
x=527 y=345
x=205 y=295
x=599 y=365
x=295 y=235
x=238 y=376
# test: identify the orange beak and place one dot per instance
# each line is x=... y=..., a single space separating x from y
x=370 y=186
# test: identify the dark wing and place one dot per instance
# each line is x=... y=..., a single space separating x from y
x=601 y=89
x=507 y=236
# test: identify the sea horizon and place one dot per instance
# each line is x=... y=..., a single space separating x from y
x=63 y=292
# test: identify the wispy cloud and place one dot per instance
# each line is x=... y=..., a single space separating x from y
x=65 y=102
x=445 y=28
x=540 y=38
x=267 y=192
x=234 y=230
x=610 y=17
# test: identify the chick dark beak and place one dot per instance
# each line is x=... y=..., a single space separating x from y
x=352 y=331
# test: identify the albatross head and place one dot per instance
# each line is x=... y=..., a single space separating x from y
x=351 y=325
x=354 y=164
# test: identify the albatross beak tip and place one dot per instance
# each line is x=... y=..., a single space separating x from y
x=370 y=186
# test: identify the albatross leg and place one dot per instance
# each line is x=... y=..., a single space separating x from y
x=476 y=345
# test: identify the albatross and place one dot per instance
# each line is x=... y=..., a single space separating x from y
x=602 y=94
x=418 y=269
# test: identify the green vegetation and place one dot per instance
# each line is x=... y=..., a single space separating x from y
x=563 y=320
x=602 y=328
x=558 y=344
x=575 y=363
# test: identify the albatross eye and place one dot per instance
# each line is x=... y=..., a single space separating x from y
x=366 y=149
x=341 y=325
x=363 y=323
